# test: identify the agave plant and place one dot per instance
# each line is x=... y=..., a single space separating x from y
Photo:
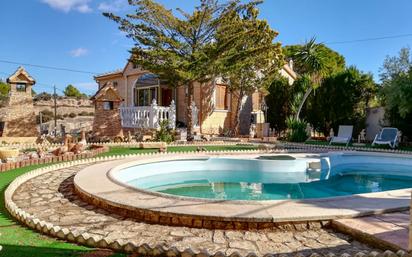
x=296 y=129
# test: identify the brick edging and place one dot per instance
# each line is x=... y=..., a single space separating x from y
x=62 y=158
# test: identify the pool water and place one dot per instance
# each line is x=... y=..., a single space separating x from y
x=243 y=187
x=267 y=179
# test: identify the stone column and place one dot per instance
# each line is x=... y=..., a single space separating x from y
x=172 y=113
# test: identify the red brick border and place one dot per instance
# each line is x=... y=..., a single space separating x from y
x=14 y=165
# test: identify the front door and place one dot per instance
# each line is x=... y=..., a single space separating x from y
x=167 y=96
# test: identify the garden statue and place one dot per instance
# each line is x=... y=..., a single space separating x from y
x=308 y=130
x=361 y=137
x=252 y=131
x=331 y=133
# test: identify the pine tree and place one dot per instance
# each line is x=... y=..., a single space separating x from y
x=249 y=59
x=180 y=49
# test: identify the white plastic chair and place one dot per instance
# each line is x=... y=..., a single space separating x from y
x=387 y=136
x=344 y=135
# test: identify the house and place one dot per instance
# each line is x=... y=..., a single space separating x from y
x=143 y=93
x=17 y=116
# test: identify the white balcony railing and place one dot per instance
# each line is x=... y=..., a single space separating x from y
x=148 y=117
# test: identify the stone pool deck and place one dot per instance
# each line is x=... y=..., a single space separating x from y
x=46 y=200
x=214 y=214
x=389 y=231
x=50 y=198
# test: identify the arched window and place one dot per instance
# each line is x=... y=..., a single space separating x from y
x=146 y=89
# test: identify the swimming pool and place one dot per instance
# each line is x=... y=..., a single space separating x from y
x=256 y=179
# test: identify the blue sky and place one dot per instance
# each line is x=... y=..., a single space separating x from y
x=73 y=34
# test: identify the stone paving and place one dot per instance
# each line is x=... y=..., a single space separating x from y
x=50 y=197
x=391 y=230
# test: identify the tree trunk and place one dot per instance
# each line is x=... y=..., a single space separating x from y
x=189 y=117
x=305 y=97
x=236 y=125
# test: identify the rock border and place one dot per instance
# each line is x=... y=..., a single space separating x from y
x=86 y=239
x=62 y=158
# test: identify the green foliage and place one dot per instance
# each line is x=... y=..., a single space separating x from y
x=4 y=89
x=180 y=49
x=280 y=95
x=396 y=92
x=341 y=99
x=72 y=91
x=311 y=61
x=164 y=134
x=250 y=56
x=332 y=61
x=296 y=130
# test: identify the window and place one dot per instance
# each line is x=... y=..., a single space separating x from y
x=21 y=87
x=108 y=105
x=115 y=84
x=221 y=97
x=145 y=96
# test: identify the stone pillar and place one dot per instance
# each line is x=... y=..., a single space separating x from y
x=18 y=113
x=107 y=123
x=172 y=117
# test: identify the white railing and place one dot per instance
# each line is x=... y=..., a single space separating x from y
x=148 y=117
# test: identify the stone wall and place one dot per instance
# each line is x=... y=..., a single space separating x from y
x=18 y=116
x=107 y=123
x=65 y=106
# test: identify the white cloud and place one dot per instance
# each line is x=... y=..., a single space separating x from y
x=69 y=5
x=78 y=52
x=113 y=6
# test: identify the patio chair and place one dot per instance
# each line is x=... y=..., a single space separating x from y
x=387 y=136
x=344 y=135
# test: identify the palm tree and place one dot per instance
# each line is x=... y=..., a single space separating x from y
x=311 y=60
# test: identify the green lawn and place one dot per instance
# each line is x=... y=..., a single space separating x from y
x=19 y=241
x=127 y=150
x=312 y=142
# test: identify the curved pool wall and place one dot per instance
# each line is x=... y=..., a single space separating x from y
x=178 y=177
x=173 y=210
x=371 y=163
x=217 y=170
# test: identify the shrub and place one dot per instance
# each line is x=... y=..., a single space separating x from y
x=84 y=113
x=296 y=130
x=165 y=133
x=43 y=97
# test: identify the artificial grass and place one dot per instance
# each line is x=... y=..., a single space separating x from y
x=19 y=241
x=172 y=149
x=368 y=145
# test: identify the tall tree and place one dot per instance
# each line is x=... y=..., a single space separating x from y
x=249 y=58
x=178 y=48
x=333 y=61
x=72 y=91
x=396 y=92
x=311 y=60
x=341 y=99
